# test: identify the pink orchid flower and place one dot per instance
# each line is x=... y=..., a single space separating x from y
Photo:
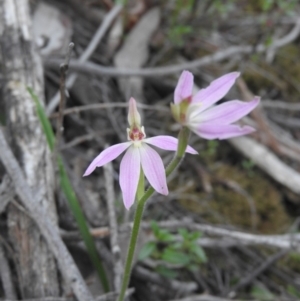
x=205 y=120
x=138 y=155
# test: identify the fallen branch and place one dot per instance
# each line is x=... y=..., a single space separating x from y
x=5 y=276
x=7 y=192
x=95 y=69
x=113 y=226
x=268 y=162
x=286 y=241
x=46 y=226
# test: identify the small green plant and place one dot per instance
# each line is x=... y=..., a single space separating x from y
x=286 y=6
x=223 y=7
x=293 y=291
x=210 y=151
x=261 y=293
x=177 y=33
x=178 y=22
x=184 y=252
x=248 y=165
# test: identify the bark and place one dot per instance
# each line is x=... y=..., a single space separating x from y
x=38 y=275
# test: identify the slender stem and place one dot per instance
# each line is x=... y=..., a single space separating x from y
x=182 y=144
x=141 y=186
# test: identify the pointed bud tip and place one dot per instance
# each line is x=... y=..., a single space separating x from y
x=134 y=117
x=132 y=101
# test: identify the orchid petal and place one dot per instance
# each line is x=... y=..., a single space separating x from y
x=221 y=131
x=216 y=90
x=184 y=87
x=106 y=156
x=168 y=143
x=227 y=112
x=129 y=175
x=153 y=168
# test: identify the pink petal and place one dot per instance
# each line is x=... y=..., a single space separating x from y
x=227 y=112
x=153 y=168
x=106 y=156
x=168 y=143
x=129 y=175
x=220 y=131
x=184 y=87
x=216 y=90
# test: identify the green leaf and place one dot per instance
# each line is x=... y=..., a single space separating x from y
x=175 y=257
x=166 y=272
x=198 y=252
x=176 y=245
x=293 y=291
x=184 y=233
x=155 y=228
x=193 y=267
x=70 y=194
x=44 y=120
x=162 y=235
x=147 y=250
x=266 y=4
x=261 y=293
x=195 y=235
x=165 y=236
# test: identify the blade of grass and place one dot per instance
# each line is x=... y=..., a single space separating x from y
x=70 y=195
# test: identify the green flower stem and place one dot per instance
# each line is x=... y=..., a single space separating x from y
x=183 y=138
x=141 y=186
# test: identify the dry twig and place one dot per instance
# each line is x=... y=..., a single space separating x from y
x=87 y=53
x=91 y=68
x=5 y=275
x=99 y=106
x=286 y=241
x=256 y=272
x=268 y=162
x=7 y=192
x=114 y=241
x=59 y=122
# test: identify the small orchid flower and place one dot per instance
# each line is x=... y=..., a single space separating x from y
x=205 y=120
x=138 y=155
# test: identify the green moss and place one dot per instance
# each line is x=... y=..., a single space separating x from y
x=227 y=205
x=287 y=60
x=270 y=213
x=291 y=260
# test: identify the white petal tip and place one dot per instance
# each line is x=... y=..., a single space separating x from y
x=236 y=74
x=257 y=99
x=191 y=150
x=127 y=207
x=164 y=190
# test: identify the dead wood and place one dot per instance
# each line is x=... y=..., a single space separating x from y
x=21 y=68
x=46 y=225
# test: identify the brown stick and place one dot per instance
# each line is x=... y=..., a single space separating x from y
x=22 y=67
x=46 y=225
